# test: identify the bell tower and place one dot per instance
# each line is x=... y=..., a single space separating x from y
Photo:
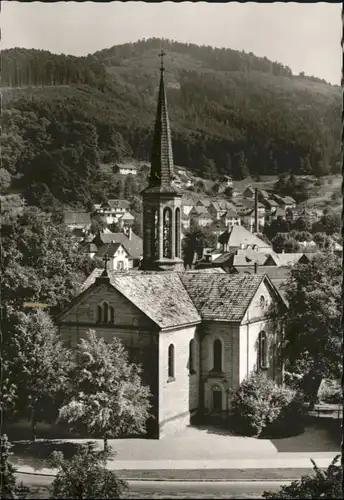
x=161 y=200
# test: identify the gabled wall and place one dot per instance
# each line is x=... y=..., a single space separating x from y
x=137 y=332
x=256 y=319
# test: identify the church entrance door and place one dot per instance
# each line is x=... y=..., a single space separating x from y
x=217 y=400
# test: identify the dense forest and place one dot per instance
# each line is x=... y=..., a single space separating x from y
x=231 y=113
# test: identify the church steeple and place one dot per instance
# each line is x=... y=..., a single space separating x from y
x=162 y=157
x=161 y=200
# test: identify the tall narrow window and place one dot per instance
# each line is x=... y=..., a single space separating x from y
x=217 y=351
x=171 y=361
x=191 y=356
x=106 y=313
x=167 y=234
x=177 y=235
x=99 y=314
x=112 y=315
x=262 y=351
x=154 y=233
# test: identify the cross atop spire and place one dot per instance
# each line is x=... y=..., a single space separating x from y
x=162 y=53
x=105 y=259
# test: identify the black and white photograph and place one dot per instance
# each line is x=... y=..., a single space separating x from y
x=171 y=250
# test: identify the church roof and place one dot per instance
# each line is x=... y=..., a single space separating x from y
x=221 y=296
x=160 y=296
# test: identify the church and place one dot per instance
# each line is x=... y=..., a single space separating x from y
x=197 y=334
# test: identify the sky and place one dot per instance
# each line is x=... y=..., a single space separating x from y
x=305 y=37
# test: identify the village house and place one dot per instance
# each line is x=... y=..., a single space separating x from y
x=270 y=207
x=126 y=220
x=218 y=209
x=227 y=180
x=126 y=169
x=249 y=193
x=204 y=202
x=284 y=202
x=130 y=241
x=248 y=220
x=231 y=218
x=201 y=216
x=118 y=257
x=196 y=334
x=187 y=206
x=112 y=210
x=186 y=222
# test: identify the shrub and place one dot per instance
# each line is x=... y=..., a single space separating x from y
x=8 y=485
x=324 y=484
x=330 y=392
x=261 y=407
x=86 y=476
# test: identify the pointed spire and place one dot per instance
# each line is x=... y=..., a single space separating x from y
x=162 y=156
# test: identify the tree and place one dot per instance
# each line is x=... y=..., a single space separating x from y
x=40 y=262
x=108 y=397
x=215 y=188
x=200 y=187
x=283 y=242
x=85 y=476
x=229 y=192
x=312 y=323
x=195 y=240
x=322 y=240
x=302 y=224
x=329 y=223
x=324 y=484
x=130 y=187
x=240 y=170
x=278 y=225
x=5 y=180
x=40 y=366
x=8 y=485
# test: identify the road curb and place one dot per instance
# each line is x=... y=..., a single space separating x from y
x=161 y=480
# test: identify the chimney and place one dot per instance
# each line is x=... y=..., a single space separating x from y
x=255 y=267
x=256 y=223
x=129 y=233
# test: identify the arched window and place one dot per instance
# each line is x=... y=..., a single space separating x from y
x=177 y=235
x=99 y=314
x=217 y=351
x=262 y=351
x=171 y=361
x=191 y=356
x=167 y=233
x=262 y=301
x=106 y=312
x=112 y=315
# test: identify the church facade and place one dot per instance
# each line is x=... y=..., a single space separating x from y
x=197 y=334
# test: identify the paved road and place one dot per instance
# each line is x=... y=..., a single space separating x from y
x=179 y=489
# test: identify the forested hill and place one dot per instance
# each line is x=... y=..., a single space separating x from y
x=231 y=112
